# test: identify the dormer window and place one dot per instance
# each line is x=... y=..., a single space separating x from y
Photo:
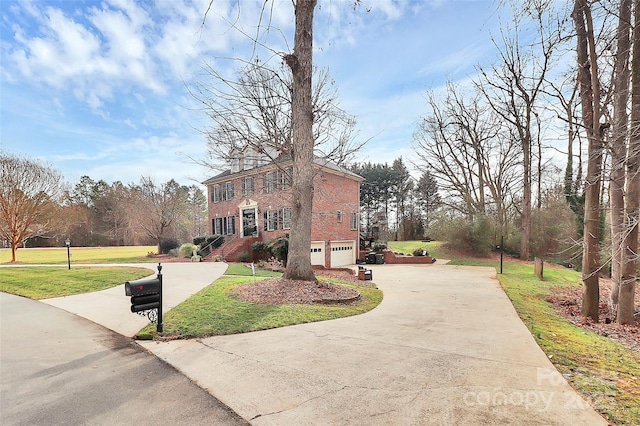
x=249 y=158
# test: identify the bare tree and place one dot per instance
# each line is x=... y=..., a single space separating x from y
x=254 y=112
x=591 y=108
x=514 y=89
x=297 y=140
x=300 y=61
x=159 y=207
x=618 y=146
x=632 y=200
x=30 y=194
x=461 y=143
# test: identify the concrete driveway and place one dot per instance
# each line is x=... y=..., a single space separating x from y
x=111 y=308
x=445 y=347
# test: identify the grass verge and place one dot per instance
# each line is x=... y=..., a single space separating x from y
x=46 y=282
x=602 y=370
x=242 y=270
x=407 y=247
x=213 y=311
x=58 y=255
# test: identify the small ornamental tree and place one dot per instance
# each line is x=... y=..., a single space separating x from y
x=29 y=197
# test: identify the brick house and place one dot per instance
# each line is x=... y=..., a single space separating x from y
x=251 y=202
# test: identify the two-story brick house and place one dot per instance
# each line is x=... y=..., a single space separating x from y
x=252 y=202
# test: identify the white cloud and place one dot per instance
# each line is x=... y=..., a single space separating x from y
x=62 y=51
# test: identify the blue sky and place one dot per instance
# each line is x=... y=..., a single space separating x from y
x=97 y=88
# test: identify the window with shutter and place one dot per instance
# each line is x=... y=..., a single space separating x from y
x=228 y=192
x=286 y=218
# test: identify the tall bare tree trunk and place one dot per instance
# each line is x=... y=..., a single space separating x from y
x=632 y=200
x=590 y=101
x=526 y=198
x=300 y=62
x=618 y=146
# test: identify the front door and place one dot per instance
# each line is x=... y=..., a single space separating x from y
x=249 y=225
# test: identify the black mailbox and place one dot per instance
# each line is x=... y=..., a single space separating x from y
x=146 y=294
x=142 y=286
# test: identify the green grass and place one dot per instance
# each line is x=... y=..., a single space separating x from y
x=604 y=371
x=58 y=255
x=214 y=311
x=245 y=271
x=45 y=282
x=433 y=247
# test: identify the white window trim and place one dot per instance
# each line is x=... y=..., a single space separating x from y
x=286 y=218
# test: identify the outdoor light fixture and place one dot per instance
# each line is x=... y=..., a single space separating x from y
x=68 y=243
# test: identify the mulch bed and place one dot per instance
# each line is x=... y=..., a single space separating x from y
x=280 y=291
x=567 y=301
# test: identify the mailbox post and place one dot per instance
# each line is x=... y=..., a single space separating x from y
x=146 y=295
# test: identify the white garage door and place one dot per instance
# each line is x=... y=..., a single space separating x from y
x=317 y=253
x=342 y=253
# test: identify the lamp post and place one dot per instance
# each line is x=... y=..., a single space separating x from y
x=68 y=243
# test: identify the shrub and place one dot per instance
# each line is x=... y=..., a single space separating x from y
x=379 y=246
x=512 y=243
x=216 y=239
x=553 y=228
x=173 y=252
x=203 y=246
x=199 y=240
x=186 y=250
x=243 y=256
x=279 y=246
x=420 y=252
x=261 y=250
x=167 y=245
x=473 y=237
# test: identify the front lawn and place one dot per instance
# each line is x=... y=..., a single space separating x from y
x=214 y=311
x=58 y=255
x=407 y=247
x=43 y=282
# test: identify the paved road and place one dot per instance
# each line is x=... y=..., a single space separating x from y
x=59 y=369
